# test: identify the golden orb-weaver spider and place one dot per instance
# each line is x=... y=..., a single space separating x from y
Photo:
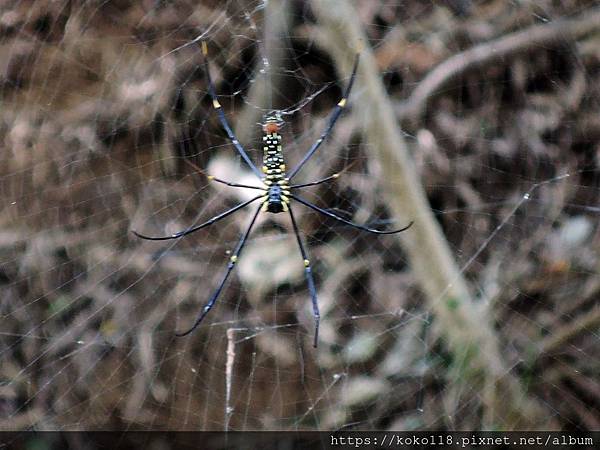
x=276 y=192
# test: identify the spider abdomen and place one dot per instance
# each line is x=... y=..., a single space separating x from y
x=273 y=164
x=276 y=198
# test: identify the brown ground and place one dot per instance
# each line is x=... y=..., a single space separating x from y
x=98 y=117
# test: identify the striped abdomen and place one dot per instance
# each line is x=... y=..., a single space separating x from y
x=274 y=168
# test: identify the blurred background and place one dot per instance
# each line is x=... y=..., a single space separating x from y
x=104 y=113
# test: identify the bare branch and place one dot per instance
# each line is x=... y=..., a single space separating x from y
x=520 y=42
x=468 y=329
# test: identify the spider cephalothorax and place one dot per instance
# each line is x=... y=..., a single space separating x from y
x=276 y=191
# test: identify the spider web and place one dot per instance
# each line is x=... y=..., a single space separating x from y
x=105 y=106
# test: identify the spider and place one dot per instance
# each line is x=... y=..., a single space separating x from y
x=275 y=194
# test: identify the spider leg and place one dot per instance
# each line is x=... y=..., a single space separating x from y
x=229 y=183
x=315 y=183
x=230 y=267
x=219 y=180
x=198 y=227
x=221 y=115
x=309 y=277
x=347 y=222
x=323 y=180
x=332 y=119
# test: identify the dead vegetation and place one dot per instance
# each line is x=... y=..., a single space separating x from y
x=98 y=114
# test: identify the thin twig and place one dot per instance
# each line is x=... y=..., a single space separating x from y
x=520 y=42
x=588 y=322
x=229 y=375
